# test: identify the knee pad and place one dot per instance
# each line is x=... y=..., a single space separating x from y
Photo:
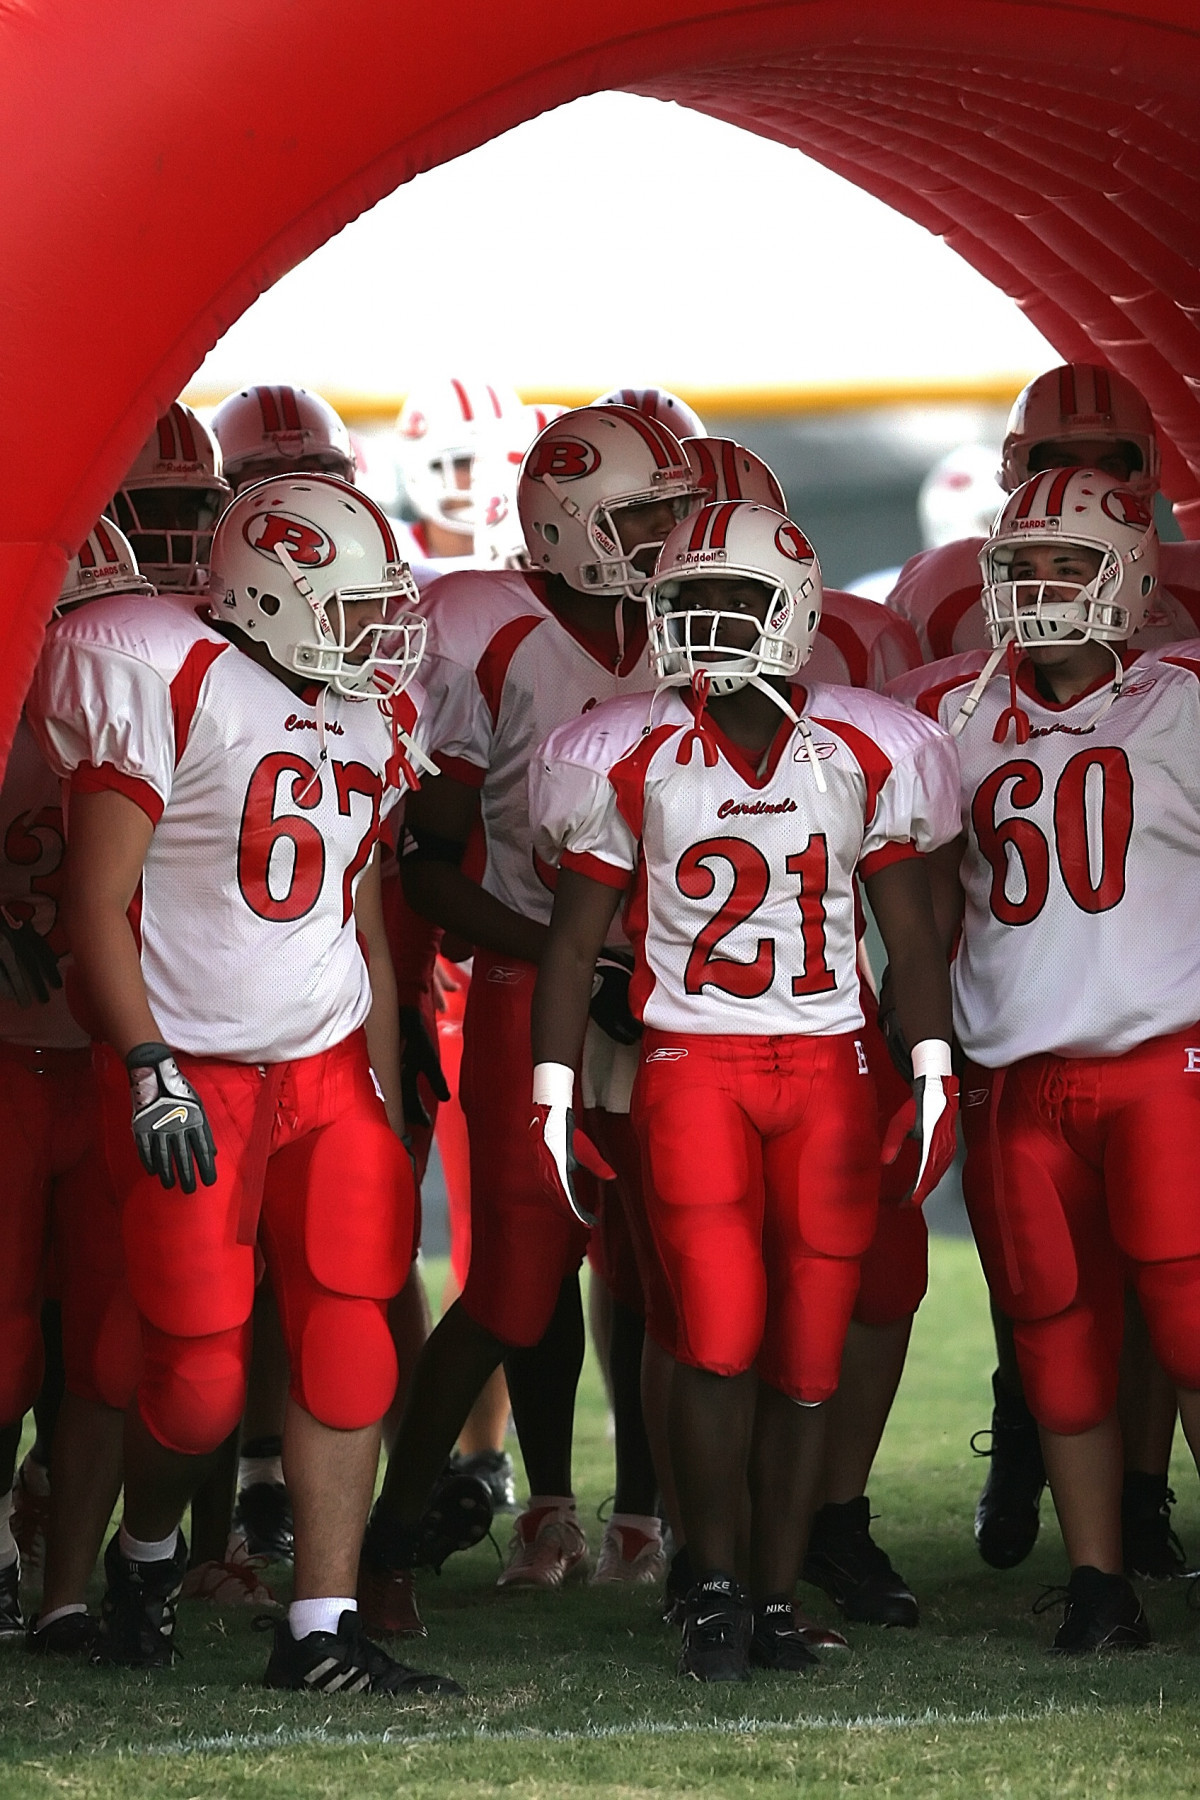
x=1069 y=1369
x=1170 y=1297
x=193 y=1390
x=21 y=1362
x=102 y=1352
x=359 y=1209
x=894 y=1273
x=345 y=1373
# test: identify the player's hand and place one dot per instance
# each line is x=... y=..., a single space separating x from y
x=418 y=1056
x=28 y=966
x=930 y=1117
x=610 y=997
x=173 y=1136
x=893 y=1036
x=553 y=1127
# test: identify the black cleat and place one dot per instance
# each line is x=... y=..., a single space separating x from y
x=344 y=1661
x=74 y=1634
x=137 y=1614
x=1006 y=1515
x=1149 y=1548
x=495 y=1469
x=777 y=1641
x=717 y=1626
x=12 y=1619
x=845 y=1561
x=263 y=1515
x=458 y=1517
x=1102 y=1613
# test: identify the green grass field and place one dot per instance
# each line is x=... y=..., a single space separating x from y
x=578 y=1692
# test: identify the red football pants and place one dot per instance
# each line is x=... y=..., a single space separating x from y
x=895 y=1270
x=308 y=1168
x=761 y=1158
x=57 y=1200
x=523 y=1246
x=621 y=1249
x=1081 y=1173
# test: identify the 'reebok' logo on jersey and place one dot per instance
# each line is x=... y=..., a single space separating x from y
x=564 y=459
x=304 y=542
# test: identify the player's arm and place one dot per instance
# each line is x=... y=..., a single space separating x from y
x=107 y=841
x=383 y=1020
x=946 y=889
x=439 y=819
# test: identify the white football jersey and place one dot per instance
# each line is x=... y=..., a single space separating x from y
x=1082 y=868
x=938 y=594
x=860 y=643
x=741 y=895
x=245 y=912
x=31 y=855
x=501 y=672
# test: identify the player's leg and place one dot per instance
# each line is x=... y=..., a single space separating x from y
x=1007 y=1512
x=1147 y=1407
x=263 y=1513
x=31 y=1488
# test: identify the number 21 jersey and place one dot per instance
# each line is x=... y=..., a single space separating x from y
x=1081 y=934
x=740 y=873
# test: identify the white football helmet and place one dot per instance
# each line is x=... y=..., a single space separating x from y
x=1079 y=402
x=445 y=424
x=583 y=470
x=170 y=500
x=660 y=405
x=103 y=564
x=266 y=431
x=960 y=496
x=742 y=540
x=289 y=555
x=1064 y=507
x=728 y=471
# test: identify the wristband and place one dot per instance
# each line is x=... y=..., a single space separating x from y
x=553 y=1084
x=931 y=1057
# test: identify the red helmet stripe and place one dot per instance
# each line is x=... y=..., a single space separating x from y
x=268 y=408
x=719 y=530
x=167 y=449
x=1058 y=493
x=1032 y=490
x=187 y=437
x=729 y=470
x=700 y=528
x=289 y=409
x=1067 y=404
x=1103 y=391
x=87 y=556
x=464 y=400
x=655 y=436
x=494 y=397
x=107 y=547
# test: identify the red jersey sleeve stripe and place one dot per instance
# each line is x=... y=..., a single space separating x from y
x=596 y=869
x=885 y=856
x=874 y=763
x=1189 y=663
x=106 y=778
x=628 y=777
x=491 y=671
x=946 y=617
x=185 y=690
x=850 y=648
x=930 y=701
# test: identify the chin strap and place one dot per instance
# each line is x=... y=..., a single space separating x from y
x=322 y=747
x=1014 y=713
x=966 y=711
x=802 y=726
x=697 y=700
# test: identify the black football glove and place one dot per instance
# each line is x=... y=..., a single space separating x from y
x=169 y=1123
x=28 y=966
x=610 y=997
x=418 y=1056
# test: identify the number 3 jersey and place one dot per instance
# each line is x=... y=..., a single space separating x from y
x=245 y=912
x=1081 y=934
x=741 y=903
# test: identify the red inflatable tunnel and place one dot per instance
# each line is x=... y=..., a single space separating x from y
x=162 y=163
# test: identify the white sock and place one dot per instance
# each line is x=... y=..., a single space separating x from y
x=8 y=1544
x=305 y=1616
x=146 y=1549
x=651 y=1524
x=60 y=1612
x=255 y=1469
x=556 y=1502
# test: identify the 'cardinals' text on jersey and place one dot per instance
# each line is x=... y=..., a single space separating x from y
x=31 y=857
x=938 y=594
x=245 y=912
x=1082 y=869
x=741 y=880
x=502 y=671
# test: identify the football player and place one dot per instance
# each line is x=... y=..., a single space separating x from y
x=169 y=502
x=268 y=431
x=57 y=1195
x=1077 y=987
x=441 y=429
x=230 y=766
x=734 y=836
x=660 y=405
x=511 y=654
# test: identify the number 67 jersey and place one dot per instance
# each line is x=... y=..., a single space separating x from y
x=740 y=872
x=245 y=912
x=1081 y=934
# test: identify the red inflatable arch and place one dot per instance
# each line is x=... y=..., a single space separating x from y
x=162 y=163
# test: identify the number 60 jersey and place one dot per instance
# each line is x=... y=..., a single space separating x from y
x=741 y=904
x=245 y=913
x=1082 y=865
